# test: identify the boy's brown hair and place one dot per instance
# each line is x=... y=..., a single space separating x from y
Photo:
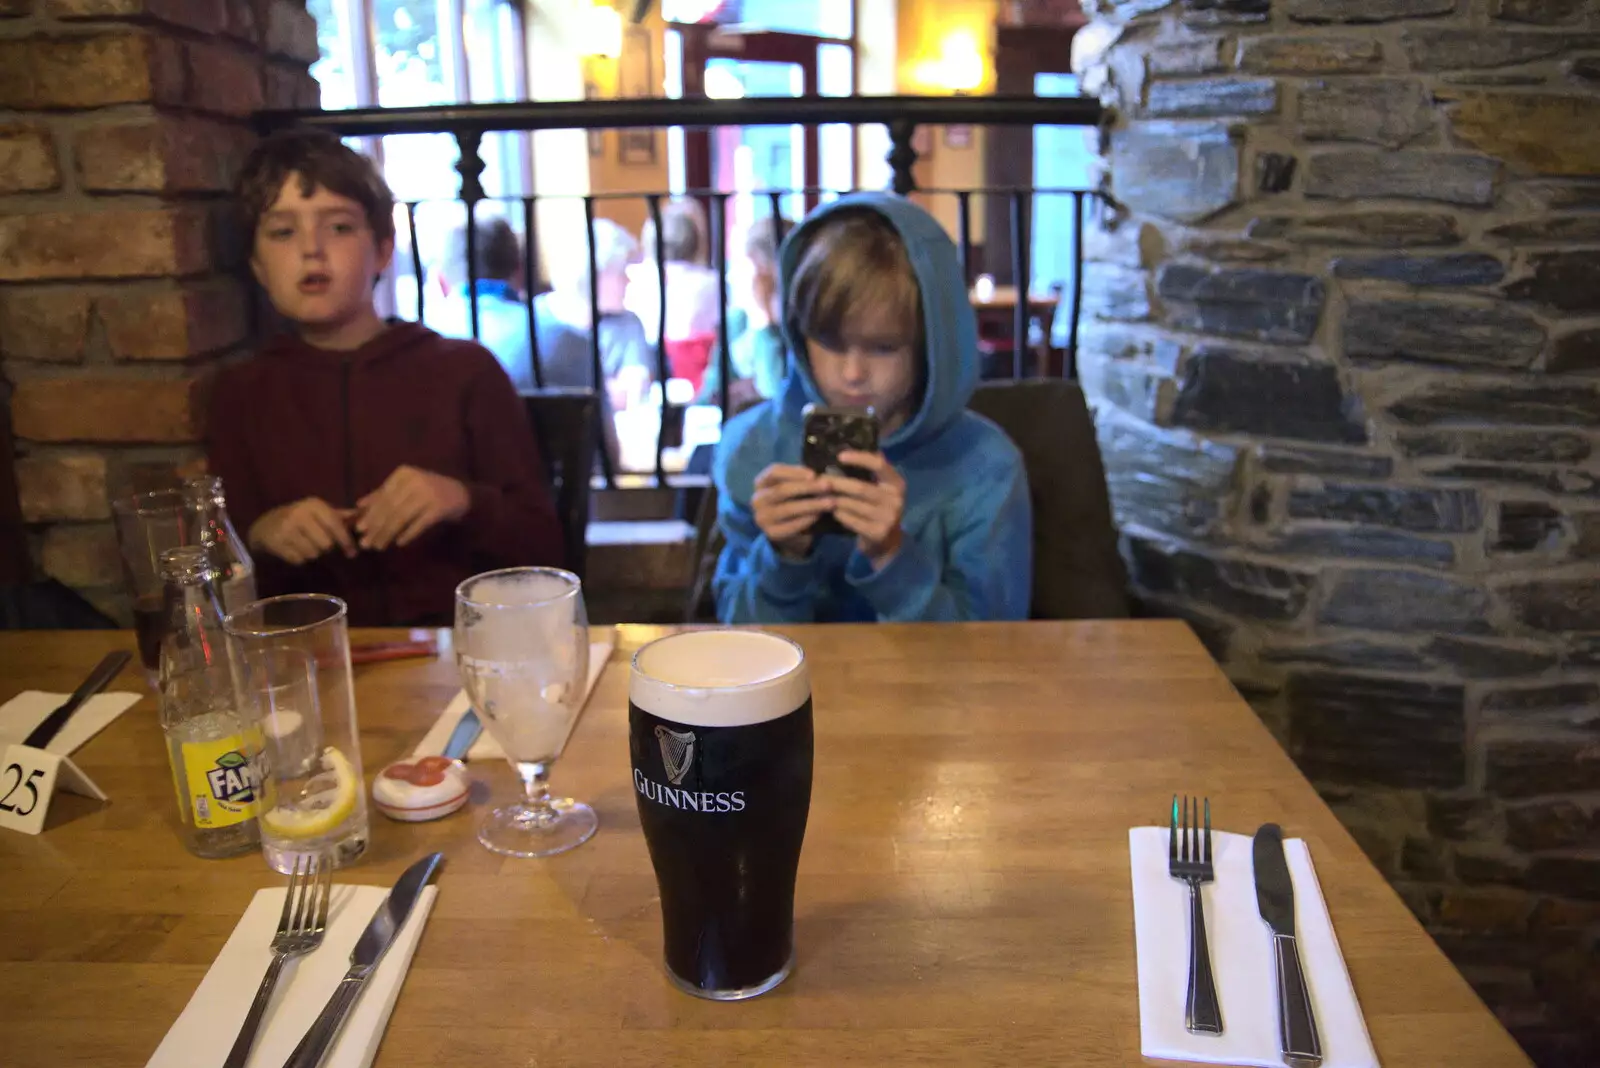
x=319 y=159
x=855 y=259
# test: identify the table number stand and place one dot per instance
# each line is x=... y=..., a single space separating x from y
x=29 y=779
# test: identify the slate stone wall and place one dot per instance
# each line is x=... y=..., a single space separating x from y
x=1343 y=329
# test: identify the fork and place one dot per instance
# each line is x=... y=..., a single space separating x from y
x=1189 y=861
x=301 y=925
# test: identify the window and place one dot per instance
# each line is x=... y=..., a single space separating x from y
x=1064 y=157
x=815 y=18
x=781 y=48
x=424 y=52
x=335 y=71
x=415 y=53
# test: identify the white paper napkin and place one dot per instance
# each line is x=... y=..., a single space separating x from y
x=28 y=709
x=1241 y=959
x=486 y=748
x=207 y=1028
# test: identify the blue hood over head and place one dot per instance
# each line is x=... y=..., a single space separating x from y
x=949 y=328
x=967 y=549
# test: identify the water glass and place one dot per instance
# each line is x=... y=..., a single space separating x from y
x=522 y=646
x=148 y=524
x=291 y=675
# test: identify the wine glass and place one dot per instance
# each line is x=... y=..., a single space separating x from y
x=522 y=647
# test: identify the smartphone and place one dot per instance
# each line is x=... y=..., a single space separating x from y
x=828 y=431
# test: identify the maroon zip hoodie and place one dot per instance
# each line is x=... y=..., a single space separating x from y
x=297 y=421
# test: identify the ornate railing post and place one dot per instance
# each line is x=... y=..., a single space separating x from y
x=469 y=163
x=902 y=156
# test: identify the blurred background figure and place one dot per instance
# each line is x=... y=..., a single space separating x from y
x=757 y=354
x=502 y=318
x=562 y=315
x=691 y=289
x=563 y=319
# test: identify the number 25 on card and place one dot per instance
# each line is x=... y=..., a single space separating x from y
x=28 y=781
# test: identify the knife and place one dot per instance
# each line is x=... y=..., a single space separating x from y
x=375 y=652
x=110 y=667
x=468 y=727
x=375 y=941
x=1297 y=1022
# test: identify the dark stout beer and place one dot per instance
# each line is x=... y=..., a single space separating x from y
x=720 y=736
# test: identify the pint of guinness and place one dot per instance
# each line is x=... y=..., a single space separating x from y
x=720 y=735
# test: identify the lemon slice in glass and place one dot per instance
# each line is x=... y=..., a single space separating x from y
x=328 y=800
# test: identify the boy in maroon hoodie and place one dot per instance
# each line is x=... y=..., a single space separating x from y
x=375 y=461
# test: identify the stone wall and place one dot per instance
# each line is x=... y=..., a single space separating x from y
x=122 y=123
x=1343 y=336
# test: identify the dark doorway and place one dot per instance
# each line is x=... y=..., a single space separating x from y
x=717 y=61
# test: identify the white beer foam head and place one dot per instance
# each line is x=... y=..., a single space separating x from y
x=719 y=678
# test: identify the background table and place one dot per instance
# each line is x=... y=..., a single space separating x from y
x=964 y=893
x=997 y=333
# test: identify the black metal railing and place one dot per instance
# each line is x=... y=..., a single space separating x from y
x=902 y=115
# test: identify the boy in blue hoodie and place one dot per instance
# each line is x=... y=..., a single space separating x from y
x=877 y=316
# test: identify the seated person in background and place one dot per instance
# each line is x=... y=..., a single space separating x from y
x=502 y=317
x=562 y=318
x=877 y=316
x=691 y=290
x=375 y=461
x=756 y=351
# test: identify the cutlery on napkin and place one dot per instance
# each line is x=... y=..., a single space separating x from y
x=203 y=1032
x=109 y=667
x=1241 y=947
x=28 y=709
x=486 y=748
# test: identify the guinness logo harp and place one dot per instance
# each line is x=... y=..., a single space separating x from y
x=677 y=753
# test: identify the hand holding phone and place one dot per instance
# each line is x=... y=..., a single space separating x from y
x=873 y=510
x=787 y=501
x=827 y=432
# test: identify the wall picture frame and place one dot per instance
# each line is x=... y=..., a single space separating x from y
x=636 y=148
x=958 y=136
x=636 y=81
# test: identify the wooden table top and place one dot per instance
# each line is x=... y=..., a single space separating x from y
x=963 y=895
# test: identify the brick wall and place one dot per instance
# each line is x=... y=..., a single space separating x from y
x=1343 y=336
x=122 y=123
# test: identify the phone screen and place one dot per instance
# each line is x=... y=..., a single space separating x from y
x=829 y=432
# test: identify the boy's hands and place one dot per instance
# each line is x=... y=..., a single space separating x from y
x=302 y=531
x=410 y=502
x=870 y=510
x=787 y=500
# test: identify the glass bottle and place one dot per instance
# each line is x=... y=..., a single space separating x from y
x=214 y=754
x=236 y=573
